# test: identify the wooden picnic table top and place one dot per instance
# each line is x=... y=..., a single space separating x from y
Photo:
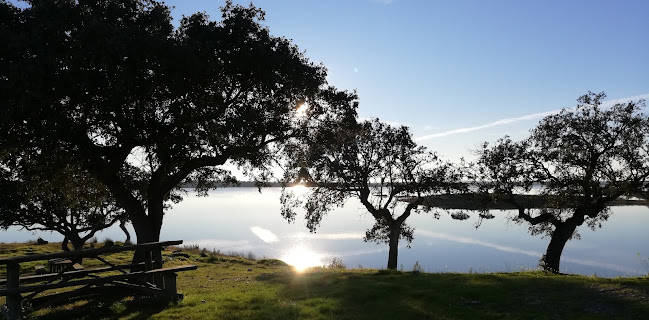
x=87 y=253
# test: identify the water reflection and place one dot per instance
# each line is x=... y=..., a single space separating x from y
x=531 y=253
x=264 y=234
x=244 y=221
x=299 y=189
x=328 y=236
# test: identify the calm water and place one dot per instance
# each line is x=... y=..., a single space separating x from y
x=243 y=220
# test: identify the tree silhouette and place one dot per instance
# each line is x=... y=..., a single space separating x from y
x=581 y=159
x=50 y=196
x=145 y=107
x=378 y=164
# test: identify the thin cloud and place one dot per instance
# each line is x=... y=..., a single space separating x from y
x=358 y=252
x=518 y=119
x=488 y=125
x=468 y=240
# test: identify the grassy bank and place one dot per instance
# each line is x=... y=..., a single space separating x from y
x=226 y=287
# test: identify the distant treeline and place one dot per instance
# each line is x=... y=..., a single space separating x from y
x=479 y=202
x=241 y=184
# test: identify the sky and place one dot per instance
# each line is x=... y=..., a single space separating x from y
x=462 y=72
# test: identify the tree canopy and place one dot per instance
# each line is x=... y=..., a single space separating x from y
x=144 y=107
x=377 y=164
x=581 y=160
x=41 y=194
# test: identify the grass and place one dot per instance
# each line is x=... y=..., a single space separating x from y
x=226 y=287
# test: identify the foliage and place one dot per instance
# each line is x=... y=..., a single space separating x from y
x=417 y=268
x=581 y=160
x=109 y=242
x=377 y=164
x=38 y=194
x=144 y=107
x=336 y=263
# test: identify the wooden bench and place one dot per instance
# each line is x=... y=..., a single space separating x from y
x=152 y=279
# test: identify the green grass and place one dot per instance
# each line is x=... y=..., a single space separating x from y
x=226 y=287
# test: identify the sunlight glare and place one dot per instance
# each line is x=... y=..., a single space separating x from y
x=299 y=189
x=302 y=258
x=301 y=109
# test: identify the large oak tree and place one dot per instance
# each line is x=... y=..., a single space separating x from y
x=145 y=107
x=580 y=160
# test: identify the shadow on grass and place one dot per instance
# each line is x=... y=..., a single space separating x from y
x=370 y=294
x=104 y=303
x=397 y=295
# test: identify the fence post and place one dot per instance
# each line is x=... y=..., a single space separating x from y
x=14 y=300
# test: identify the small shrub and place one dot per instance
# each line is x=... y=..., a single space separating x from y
x=109 y=243
x=232 y=253
x=417 y=267
x=644 y=262
x=92 y=242
x=336 y=263
x=271 y=262
x=213 y=259
x=192 y=247
x=251 y=256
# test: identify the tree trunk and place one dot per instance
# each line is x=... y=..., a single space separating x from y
x=394 y=246
x=77 y=245
x=64 y=244
x=147 y=229
x=552 y=258
x=122 y=225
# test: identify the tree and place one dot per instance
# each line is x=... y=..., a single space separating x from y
x=55 y=197
x=145 y=107
x=581 y=159
x=378 y=164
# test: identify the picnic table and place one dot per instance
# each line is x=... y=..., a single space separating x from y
x=149 y=278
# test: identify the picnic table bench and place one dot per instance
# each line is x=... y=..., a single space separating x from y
x=149 y=278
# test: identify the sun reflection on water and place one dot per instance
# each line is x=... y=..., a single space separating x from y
x=299 y=189
x=302 y=258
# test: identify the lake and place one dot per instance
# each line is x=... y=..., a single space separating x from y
x=246 y=221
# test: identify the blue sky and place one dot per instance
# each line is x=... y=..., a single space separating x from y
x=441 y=67
x=465 y=71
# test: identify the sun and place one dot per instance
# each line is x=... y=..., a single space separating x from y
x=301 y=109
x=302 y=258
